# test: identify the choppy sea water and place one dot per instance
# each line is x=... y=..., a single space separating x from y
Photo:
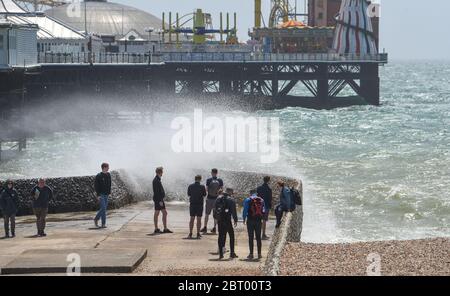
x=370 y=173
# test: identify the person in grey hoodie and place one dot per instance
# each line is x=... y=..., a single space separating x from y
x=9 y=204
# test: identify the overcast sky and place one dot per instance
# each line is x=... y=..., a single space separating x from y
x=409 y=28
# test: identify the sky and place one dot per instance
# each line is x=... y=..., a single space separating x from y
x=409 y=29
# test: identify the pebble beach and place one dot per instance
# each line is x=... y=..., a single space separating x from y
x=426 y=257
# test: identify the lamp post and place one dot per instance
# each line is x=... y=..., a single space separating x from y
x=159 y=32
x=150 y=50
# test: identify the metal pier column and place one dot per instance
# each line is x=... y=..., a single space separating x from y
x=322 y=83
x=370 y=83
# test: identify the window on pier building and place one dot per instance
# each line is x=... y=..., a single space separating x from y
x=1 y=42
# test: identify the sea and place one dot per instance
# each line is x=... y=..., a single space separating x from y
x=369 y=173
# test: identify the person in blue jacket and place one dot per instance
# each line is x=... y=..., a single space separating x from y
x=286 y=203
x=252 y=215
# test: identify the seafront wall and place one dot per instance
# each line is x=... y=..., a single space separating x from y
x=74 y=194
x=290 y=230
x=77 y=194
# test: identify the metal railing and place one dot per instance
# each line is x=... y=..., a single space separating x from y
x=192 y=57
x=97 y=58
x=270 y=57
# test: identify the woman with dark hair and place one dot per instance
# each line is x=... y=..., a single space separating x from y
x=9 y=203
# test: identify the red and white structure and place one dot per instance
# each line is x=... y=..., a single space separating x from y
x=354 y=31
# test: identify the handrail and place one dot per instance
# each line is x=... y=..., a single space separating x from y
x=146 y=58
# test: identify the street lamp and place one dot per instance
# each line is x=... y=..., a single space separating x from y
x=149 y=30
x=159 y=32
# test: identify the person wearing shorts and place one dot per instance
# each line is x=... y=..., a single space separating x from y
x=214 y=185
x=158 y=199
x=196 y=193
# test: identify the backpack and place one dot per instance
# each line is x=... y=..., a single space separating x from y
x=296 y=197
x=256 y=208
x=213 y=187
x=220 y=208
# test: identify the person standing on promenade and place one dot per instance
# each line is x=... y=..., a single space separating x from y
x=224 y=211
x=102 y=187
x=265 y=192
x=196 y=193
x=9 y=204
x=286 y=202
x=213 y=186
x=41 y=195
x=252 y=215
x=158 y=198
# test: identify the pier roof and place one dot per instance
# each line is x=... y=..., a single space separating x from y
x=49 y=28
x=9 y=6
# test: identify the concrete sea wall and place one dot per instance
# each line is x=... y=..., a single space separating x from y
x=77 y=194
x=289 y=231
x=74 y=194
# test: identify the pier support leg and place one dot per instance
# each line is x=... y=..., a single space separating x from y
x=275 y=87
x=322 y=83
x=370 y=83
x=275 y=82
x=195 y=87
x=225 y=87
x=22 y=144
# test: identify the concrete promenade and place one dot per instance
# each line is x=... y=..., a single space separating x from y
x=130 y=229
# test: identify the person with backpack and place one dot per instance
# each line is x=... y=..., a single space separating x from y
x=213 y=186
x=9 y=204
x=196 y=193
x=253 y=215
x=102 y=186
x=224 y=211
x=265 y=192
x=158 y=198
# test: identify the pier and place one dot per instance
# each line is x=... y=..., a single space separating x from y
x=237 y=74
x=295 y=60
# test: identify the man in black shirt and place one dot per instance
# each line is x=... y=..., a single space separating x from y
x=224 y=210
x=196 y=193
x=265 y=192
x=158 y=198
x=102 y=187
x=41 y=195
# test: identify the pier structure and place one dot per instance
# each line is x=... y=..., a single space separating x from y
x=323 y=76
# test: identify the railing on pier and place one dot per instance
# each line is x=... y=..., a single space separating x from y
x=146 y=58
x=270 y=57
x=98 y=58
